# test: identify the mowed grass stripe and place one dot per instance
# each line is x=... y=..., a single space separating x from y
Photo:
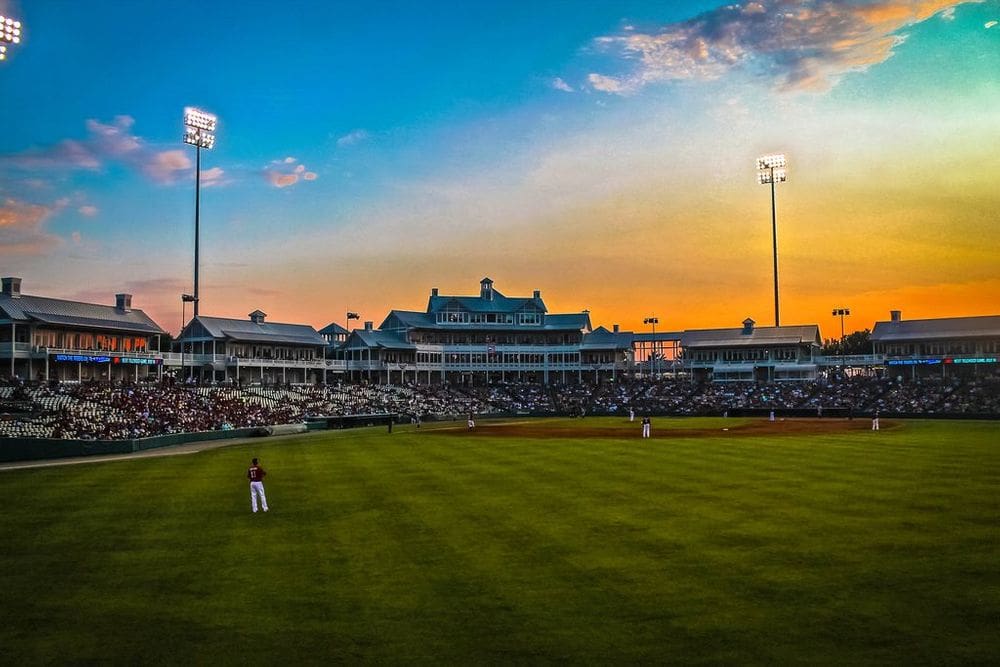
x=435 y=547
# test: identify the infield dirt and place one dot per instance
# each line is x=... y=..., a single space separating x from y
x=753 y=428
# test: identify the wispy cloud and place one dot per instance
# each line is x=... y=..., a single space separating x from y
x=799 y=45
x=105 y=143
x=559 y=84
x=287 y=172
x=22 y=228
x=352 y=138
x=88 y=211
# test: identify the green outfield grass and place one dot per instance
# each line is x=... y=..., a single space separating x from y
x=438 y=547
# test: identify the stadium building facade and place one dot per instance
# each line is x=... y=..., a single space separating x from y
x=947 y=346
x=752 y=353
x=252 y=351
x=484 y=339
x=43 y=338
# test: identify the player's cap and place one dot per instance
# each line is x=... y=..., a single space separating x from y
x=254 y=461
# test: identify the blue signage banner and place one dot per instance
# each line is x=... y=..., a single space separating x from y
x=946 y=360
x=101 y=359
x=84 y=358
x=913 y=362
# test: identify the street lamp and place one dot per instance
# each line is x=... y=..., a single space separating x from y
x=185 y=300
x=654 y=321
x=841 y=312
x=771 y=169
x=10 y=32
x=199 y=131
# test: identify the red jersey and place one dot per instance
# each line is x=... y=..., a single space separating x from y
x=256 y=474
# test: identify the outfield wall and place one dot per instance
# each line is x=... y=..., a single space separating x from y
x=28 y=449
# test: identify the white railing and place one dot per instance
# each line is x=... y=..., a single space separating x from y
x=851 y=360
x=175 y=359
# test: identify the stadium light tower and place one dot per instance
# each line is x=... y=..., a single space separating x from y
x=199 y=131
x=771 y=169
x=10 y=32
x=841 y=312
x=654 y=321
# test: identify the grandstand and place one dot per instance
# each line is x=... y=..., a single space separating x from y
x=103 y=411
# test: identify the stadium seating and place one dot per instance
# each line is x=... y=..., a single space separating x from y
x=126 y=411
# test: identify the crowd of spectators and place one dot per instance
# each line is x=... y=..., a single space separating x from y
x=128 y=411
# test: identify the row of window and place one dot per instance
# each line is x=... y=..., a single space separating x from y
x=749 y=354
x=86 y=341
x=940 y=348
x=464 y=317
x=462 y=338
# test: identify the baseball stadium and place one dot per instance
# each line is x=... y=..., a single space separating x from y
x=393 y=458
x=469 y=483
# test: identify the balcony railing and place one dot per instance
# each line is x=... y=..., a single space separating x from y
x=174 y=359
x=852 y=360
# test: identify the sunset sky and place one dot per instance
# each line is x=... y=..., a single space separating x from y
x=601 y=152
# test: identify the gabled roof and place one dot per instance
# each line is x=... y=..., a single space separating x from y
x=263 y=332
x=787 y=335
x=27 y=308
x=409 y=318
x=477 y=304
x=568 y=321
x=333 y=329
x=365 y=338
x=940 y=328
x=601 y=338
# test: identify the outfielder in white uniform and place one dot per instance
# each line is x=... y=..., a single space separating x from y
x=256 y=476
x=647 y=425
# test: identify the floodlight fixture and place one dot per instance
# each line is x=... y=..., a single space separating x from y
x=771 y=170
x=199 y=119
x=772 y=176
x=10 y=30
x=199 y=138
x=771 y=161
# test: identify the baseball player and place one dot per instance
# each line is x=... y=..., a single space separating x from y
x=647 y=425
x=256 y=476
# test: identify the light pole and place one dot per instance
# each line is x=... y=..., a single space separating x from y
x=10 y=32
x=841 y=312
x=347 y=353
x=654 y=321
x=199 y=131
x=185 y=300
x=771 y=169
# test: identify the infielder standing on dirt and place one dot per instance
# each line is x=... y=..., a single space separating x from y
x=647 y=425
x=256 y=476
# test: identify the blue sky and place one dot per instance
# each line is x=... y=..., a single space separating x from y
x=600 y=152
